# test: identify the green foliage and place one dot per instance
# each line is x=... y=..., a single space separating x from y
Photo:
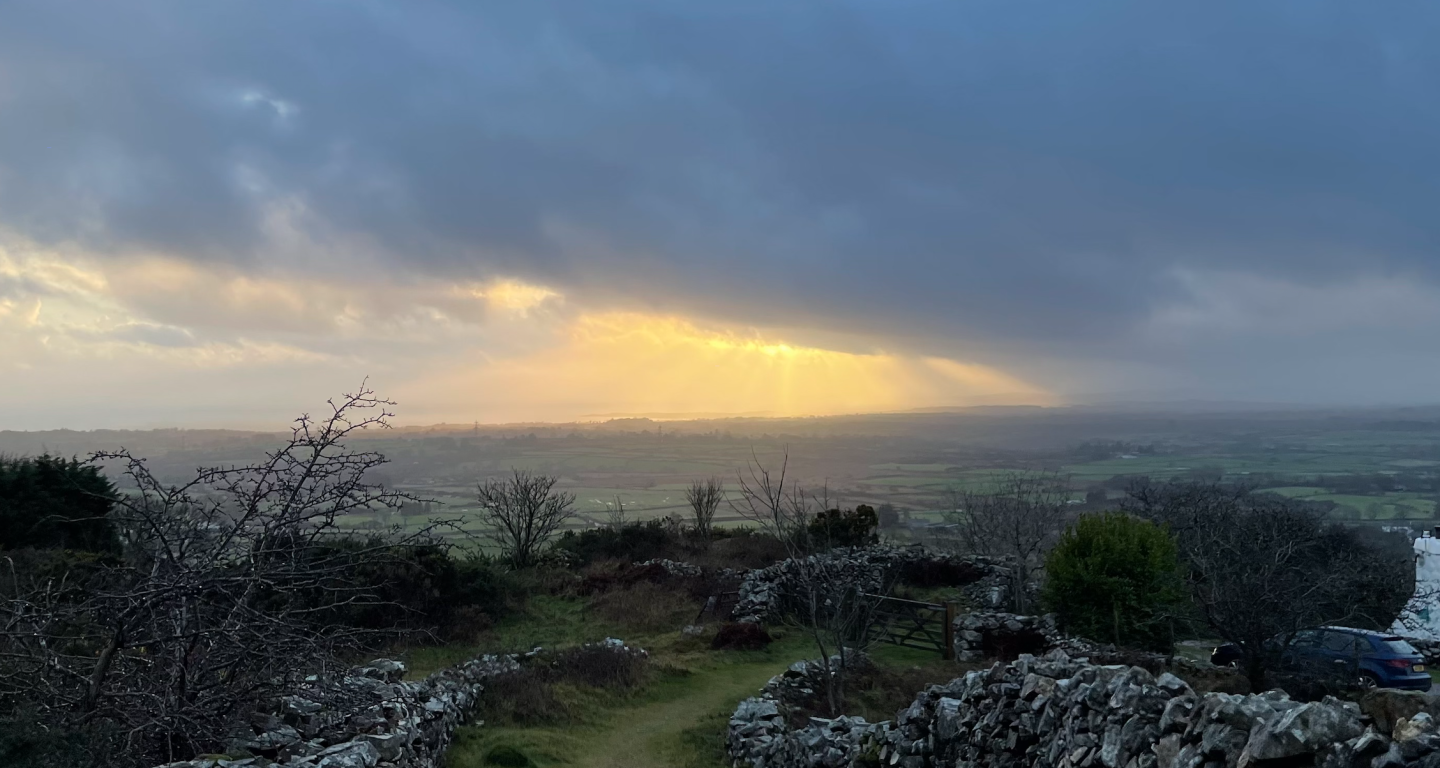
x=420 y=587
x=48 y=502
x=1116 y=578
x=845 y=528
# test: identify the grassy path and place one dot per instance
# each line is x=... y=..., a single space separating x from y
x=686 y=730
x=677 y=722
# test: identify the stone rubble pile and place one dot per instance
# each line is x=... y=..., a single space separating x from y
x=1058 y=712
x=762 y=590
x=977 y=634
x=988 y=634
x=371 y=718
x=690 y=570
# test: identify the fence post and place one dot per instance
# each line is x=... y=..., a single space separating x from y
x=948 y=653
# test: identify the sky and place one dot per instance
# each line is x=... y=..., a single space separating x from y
x=220 y=213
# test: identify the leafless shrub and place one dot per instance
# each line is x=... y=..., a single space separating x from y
x=1261 y=569
x=832 y=598
x=773 y=501
x=704 y=497
x=218 y=602
x=1019 y=518
x=522 y=512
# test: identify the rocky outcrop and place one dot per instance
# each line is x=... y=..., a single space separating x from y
x=762 y=591
x=1058 y=712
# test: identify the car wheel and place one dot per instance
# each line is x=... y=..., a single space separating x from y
x=1234 y=664
x=1368 y=681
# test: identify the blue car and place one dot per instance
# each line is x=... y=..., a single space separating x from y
x=1372 y=659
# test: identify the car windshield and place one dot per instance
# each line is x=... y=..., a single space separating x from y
x=1399 y=647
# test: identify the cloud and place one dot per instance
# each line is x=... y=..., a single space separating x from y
x=502 y=350
x=1100 y=196
x=626 y=362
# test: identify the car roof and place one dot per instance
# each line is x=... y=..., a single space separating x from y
x=1364 y=632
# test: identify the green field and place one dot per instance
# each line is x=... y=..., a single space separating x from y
x=1330 y=458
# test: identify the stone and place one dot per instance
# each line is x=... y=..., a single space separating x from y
x=1386 y=706
x=351 y=754
x=1110 y=748
x=389 y=745
x=1302 y=730
x=1414 y=748
x=1176 y=717
x=1173 y=685
x=388 y=670
x=947 y=718
x=1413 y=727
x=1167 y=751
x=1036 y=685
x=1390 y=759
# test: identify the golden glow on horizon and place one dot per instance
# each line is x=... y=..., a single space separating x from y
x=625 y=362
x=502 y=350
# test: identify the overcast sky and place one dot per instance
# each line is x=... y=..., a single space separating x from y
x=221 y=212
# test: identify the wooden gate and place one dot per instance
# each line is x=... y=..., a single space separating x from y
x=913 y=624
x=718 y=605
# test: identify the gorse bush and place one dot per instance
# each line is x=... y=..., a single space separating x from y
x=630 y=542
x=422 y=586
x=844 y=528
x=1116 y=578
x=737 y=548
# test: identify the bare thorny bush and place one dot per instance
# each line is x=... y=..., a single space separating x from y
x=704 y=498
x=832 y=599
x=1019 y=518
x=1262 y=568
x=220 y=602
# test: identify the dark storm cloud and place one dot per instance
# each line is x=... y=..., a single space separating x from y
x=1021 y=174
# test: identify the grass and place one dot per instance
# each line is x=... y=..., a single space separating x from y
x=547 y=621
x=677 y=721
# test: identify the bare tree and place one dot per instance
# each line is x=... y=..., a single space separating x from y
x=775 y=502
x=223 y=596
x=615 y=514
x=1019 y=518
x=522 y=512
x=831 y=598
x=1262 y=568
x=704 y=497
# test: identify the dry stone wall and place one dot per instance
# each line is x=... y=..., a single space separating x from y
x=1058 y=712
x=762 y=590
x=371 y=718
